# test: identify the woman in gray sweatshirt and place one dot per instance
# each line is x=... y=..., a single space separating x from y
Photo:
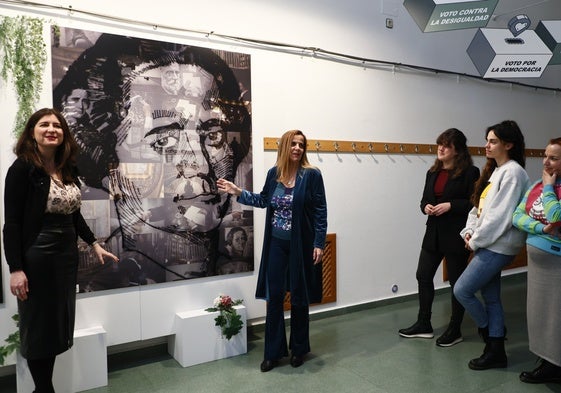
x=492 y=238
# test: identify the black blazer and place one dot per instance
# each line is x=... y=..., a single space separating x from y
x=25 y=199
x=443 y=232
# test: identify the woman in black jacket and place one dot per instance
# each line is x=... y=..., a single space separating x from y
x=446 y=201
x=42 y=221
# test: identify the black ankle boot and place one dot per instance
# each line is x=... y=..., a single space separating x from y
x=451 y=336
x=483 y=333
x=420 y=329
x=544 y=373
x=494 y=355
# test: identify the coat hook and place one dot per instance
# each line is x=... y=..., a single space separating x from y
x=401 y=148
x=416 y=148
x=336 y=146
x=317 y=145
x=430 y=149
x=386 y=147
x=370 y=147
x=353 y=145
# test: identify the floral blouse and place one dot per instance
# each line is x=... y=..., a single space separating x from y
x=281 y=203
x=63 y=198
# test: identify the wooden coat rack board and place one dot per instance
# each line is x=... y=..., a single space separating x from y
x=361 y=147
x=356 y=147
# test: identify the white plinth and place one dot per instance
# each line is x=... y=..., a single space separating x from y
x=82 y=367
x=197 y=340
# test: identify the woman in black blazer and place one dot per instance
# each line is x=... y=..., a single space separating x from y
x=42 y=222
x=446 y=201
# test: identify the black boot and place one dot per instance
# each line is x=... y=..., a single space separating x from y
x=422 y=328
x=484 y=334
x=546 y=372
x=451 y=336
x=494 y=355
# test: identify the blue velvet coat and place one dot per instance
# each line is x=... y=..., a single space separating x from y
x=309 y=228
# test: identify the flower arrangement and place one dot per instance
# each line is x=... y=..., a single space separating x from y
x=229 y=321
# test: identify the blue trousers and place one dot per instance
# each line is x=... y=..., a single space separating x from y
x=484 y=274
x=275 y=331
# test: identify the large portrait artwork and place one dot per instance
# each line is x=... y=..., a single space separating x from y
x=157 y=124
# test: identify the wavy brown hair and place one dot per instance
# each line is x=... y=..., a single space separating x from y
x=65 y=155
x=283 y=155
x=506 y=131
x=462 y=160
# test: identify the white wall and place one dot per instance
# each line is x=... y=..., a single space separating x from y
x=373 y=200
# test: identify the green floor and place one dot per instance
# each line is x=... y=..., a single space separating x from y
x=359 y=351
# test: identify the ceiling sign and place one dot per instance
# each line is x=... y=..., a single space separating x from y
x=441 y=15
x=550 y=33
x=497 y=53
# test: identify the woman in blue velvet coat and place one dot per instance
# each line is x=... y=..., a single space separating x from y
x=295 y=230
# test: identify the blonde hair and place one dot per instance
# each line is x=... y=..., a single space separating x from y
x=283 y=155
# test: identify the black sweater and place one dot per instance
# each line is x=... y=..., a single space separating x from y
x=25 y=199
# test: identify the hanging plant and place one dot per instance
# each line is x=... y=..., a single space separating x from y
x=23 y=56
x=12 y=342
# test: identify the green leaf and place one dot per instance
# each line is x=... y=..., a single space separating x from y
x=23 y=56
x=228 y=320
x=12 y=342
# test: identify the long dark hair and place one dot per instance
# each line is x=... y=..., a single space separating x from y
x=65 y=155
x=462 y=160
x=506 y=131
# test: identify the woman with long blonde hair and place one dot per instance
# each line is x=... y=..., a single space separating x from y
x=294 y=239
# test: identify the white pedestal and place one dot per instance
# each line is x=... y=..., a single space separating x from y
x=197 y=340
x=82 y=367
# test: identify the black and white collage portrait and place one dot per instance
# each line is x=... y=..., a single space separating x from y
x=157 y=124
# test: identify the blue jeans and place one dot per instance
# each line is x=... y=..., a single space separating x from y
x=484 y=274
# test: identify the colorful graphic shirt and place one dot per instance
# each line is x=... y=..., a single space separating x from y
x=535 y=204
x=281 y=204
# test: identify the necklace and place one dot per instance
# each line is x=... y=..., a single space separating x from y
x=290 y=182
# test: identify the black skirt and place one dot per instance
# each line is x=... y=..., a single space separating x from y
x=51 y=265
